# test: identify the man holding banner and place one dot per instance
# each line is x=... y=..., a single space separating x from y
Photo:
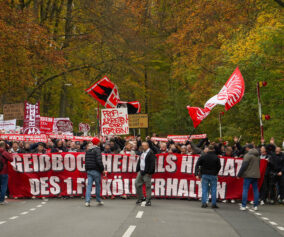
x=145 y=168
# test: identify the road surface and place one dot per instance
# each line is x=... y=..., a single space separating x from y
x=123 y=218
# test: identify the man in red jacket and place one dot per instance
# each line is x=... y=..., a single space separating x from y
x=5 y=157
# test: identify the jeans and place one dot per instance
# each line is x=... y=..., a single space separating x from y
x=209 y=181
x=4 y=185
x=247 y=183
x=140 y=180
x=93 y=175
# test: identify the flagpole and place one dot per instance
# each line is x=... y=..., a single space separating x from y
x=191 y=132
x=259 y=111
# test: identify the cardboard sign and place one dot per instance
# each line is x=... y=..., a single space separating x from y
x=13 y=111
x=138 y=120
x=114 y=122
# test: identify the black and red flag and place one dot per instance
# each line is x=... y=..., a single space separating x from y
x=133 y=107
x=105 y=92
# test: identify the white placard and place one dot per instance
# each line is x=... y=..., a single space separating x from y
x=114 y=122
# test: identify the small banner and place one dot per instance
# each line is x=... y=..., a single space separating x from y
x=32 y=119
x=63 y=125
x=114 y=122
x=8 y=125
x=46 y=125
x=84 y=127
x=49 y=175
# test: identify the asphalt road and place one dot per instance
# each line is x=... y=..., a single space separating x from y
x=122 y=218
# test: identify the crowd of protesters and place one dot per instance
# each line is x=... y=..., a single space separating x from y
x=271 y=191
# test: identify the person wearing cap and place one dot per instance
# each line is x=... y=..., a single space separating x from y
x=250 y=171
x=94 y=167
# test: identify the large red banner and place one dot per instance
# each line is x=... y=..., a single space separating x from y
x=64 y=174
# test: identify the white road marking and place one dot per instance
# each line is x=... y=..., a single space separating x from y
x=265 y=218
x=24 y=213
x=2 y=222
x=39 y=206
x=143 y=204
x=13 y=217
x=257 y=214
x=129 y=231
x=43 y=202
x=280 y=227
x=251 y=210
x=32 y=209
x=139 y=214
x=273 y=223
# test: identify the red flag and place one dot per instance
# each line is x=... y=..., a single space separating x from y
x=105 y=92
x=230 y=94
x=197 y=114
x=133 y=107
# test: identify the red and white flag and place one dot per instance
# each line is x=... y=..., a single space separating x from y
x=105 y=92
x=230 y=94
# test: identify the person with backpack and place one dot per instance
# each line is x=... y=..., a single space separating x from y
x=5 y=157
x=94 y=167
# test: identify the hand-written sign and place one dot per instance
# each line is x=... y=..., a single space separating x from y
x=13 y=111
x=114 y=122
x=138 y=120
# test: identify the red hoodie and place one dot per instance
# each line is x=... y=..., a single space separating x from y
x=6 y=156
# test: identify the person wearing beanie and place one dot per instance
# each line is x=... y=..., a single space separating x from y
x=94 y=168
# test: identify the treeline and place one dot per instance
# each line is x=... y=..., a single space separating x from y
x=164 y=53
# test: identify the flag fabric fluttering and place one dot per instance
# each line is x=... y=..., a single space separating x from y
x=105 y=92
x=230 y=94
x=133 y=107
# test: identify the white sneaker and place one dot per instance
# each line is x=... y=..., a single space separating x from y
x=224 y=201
x=101 y=203
x=233 y=201
x=3 y=203
x=243 y=208
x=87 y=204
x=252 y=202
x=255 y=208
x=262 y=203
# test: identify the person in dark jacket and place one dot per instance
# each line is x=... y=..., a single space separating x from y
x=5 y=157
x=209 y=165
x=278 y=167
x=145 y=168
x=94 y=167
x=251 y=173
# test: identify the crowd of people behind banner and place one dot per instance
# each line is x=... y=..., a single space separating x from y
x=272 y=190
